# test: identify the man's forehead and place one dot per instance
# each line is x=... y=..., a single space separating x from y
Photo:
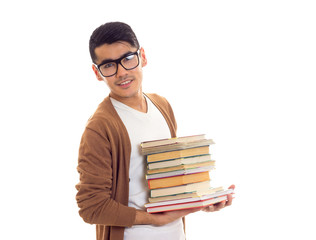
x=110 y=50
x=113 y=51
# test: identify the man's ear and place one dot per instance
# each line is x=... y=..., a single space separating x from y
x=96 y=72
x=143 y=57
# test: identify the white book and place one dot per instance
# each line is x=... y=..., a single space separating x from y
x=185 y=195
x=179 y=172
x=192 y=199
x=179 y=161
x=167 y=141
x=175 y=146
x=187 y=188
x=181 y=206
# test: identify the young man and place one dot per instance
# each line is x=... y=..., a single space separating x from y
x=112 y=190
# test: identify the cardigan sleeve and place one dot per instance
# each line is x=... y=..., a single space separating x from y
x=95 y=203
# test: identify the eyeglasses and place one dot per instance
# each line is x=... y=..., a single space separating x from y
x=109 y=68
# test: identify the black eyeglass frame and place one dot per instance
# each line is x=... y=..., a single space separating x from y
x=117 y=62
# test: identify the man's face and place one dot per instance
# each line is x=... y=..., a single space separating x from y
x=125 y=83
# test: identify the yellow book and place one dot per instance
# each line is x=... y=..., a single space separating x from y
x=178 y=154
x=178 y=180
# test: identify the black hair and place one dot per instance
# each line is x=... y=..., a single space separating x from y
x=109 y=33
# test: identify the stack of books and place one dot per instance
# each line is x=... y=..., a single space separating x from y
x=178 y=174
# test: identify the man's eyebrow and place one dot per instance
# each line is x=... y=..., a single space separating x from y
x=107 y=60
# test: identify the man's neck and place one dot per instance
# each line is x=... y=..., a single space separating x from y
x=137 y=102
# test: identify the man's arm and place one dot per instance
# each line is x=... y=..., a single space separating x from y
x=95 y=203
x=163 y=218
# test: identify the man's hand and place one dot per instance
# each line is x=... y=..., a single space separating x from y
x=167 y=217
x=163 y=218
x=220 y=205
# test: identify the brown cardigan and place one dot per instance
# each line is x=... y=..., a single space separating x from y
x=103 y=164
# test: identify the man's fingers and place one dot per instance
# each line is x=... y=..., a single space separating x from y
x=232 y=186
x=210 y=208
x=229 y=200
x=220 y=205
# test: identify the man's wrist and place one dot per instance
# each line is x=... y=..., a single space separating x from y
x=143 y=217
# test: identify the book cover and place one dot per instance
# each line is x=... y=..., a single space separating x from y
x=185 y=195
x=191 y=199
x=187 y=188
x=180 y=161
x=176 y=146
x=179 y=172
x=181 y=167
x=178 y=154
x=178 y=180
x=168 y=141
x=187 y=205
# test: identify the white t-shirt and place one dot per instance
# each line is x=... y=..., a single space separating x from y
x=144 y=127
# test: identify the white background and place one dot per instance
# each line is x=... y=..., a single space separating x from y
x=242 y=72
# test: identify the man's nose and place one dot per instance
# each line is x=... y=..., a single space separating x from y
x=121 y=71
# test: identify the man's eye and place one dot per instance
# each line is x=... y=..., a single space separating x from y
x=108 y=65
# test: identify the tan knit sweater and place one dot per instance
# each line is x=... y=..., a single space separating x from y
x=103 y=164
